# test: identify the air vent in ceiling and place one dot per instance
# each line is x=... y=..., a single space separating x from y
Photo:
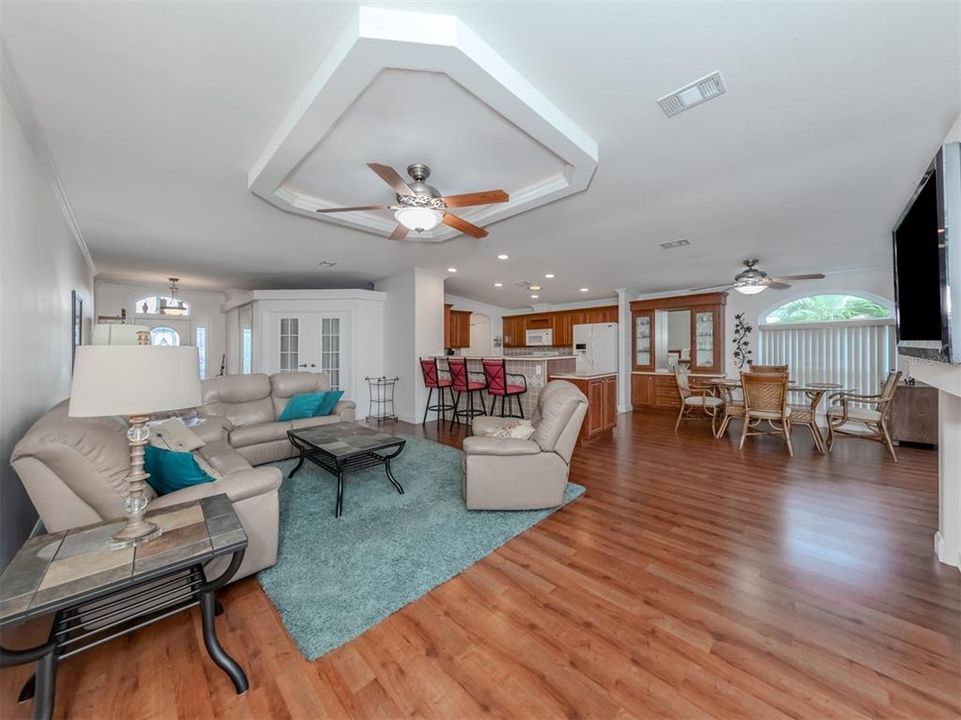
x=326 y=264
x=694 y=94
x=674 y=244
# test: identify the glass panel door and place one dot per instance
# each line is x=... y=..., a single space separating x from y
x=642 y=340
x=289 y=343
x=704 y=338
x=330 y=350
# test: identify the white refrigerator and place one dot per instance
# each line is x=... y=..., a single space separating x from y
x=595 y=348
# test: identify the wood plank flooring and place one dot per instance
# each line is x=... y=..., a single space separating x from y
x=692 y=580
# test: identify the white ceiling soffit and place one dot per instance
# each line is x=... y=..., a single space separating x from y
x=384 y=53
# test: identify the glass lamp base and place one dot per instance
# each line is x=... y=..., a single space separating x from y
x=131 y=536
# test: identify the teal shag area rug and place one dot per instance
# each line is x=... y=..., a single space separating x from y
x=337 y=577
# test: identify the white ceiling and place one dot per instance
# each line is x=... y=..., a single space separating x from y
x=155 y=112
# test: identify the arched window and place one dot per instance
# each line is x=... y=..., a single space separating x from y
x=164 y=336
x=831 y=307
x=162 y=305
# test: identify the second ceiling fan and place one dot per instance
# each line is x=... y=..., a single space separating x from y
x=421 y=207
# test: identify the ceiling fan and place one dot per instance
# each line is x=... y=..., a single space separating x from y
x=421 y=207
x=752 y=281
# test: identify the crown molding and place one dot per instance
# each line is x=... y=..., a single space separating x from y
x=22 y=108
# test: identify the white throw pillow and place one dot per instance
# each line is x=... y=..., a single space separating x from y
x=517 y=429
x=173 y=435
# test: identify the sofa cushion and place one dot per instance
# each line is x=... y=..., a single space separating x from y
x=304 y=405
x=315 y=421
x=242 y=399
x=169 y=471
x=556 y=409
x=258 y=433
x=223 y=458
x=284 y=385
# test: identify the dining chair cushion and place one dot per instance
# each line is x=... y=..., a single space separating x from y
x=769 y=414
x=703 y=401
x=475 y=385
x=856 y=413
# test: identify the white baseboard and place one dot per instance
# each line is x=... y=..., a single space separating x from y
x=943 y=555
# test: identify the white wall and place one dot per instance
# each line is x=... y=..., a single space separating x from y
x=495 y=313
x=40 y=264
x=414 y=328
x=206 y=308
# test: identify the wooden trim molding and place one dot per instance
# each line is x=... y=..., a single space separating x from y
x=680 y=301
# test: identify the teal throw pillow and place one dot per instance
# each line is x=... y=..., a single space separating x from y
x=170 y=470
x=331 y=398
x=301 y=406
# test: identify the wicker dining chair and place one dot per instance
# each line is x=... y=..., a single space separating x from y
x=694 y=399
x=765 y=399
x=846 y=412
x=733 y=408
x=768 y=368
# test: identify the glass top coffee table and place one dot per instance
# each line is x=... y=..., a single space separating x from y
x=346 y=447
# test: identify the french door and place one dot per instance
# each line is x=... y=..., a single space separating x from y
x=314 y=342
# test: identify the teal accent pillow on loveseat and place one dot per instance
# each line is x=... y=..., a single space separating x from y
x=301 y=406
x=170 y=470
x=329 y=401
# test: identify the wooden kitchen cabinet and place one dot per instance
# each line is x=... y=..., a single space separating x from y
x=456 y=327
x=601 y=394
x=659 y=390
x=642 y=391
x=561 y=323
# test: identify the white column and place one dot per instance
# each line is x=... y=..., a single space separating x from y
x=947 y=542
x=624 y=343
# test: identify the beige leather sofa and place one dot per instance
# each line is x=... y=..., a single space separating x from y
x=247 y=406
x=513 y=474
x=75 y=470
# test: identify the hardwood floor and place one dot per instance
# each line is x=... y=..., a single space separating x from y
x=691 y=580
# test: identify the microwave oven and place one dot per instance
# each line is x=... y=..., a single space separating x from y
x=539 y=337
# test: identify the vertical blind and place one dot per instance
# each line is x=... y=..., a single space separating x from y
x=856 y=354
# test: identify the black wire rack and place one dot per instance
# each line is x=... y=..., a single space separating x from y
x=381 y=398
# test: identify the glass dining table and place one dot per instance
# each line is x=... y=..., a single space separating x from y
x=805 y=414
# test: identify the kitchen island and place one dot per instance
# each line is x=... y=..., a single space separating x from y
x=536 y=369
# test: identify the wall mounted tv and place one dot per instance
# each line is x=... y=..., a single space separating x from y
x=927 y=263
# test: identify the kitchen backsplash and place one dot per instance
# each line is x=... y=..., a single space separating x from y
x=544 y=350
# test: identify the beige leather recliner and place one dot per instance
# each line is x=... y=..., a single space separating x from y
x=248 y=407
x=75 y=470
x=513 y=474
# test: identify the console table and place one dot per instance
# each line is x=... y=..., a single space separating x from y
x=96 y=593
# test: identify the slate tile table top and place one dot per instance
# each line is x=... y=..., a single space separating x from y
x=93 y=589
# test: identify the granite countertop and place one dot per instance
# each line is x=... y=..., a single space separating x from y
x=582 y=376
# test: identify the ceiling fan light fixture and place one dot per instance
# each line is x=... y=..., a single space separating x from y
x=750 y=288
x=419 y=219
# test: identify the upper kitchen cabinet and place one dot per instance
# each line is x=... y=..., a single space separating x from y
x=456 y=328
x=561 y=323
x=514 y=329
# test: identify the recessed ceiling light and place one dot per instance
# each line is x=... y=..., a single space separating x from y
x=533 y=287
x=451 y=269
x=549 y=276
x=498 y=284
x=502 y=256
x=585 y=289
x=533 y=297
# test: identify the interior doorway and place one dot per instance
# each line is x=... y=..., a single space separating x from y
x=480 y=335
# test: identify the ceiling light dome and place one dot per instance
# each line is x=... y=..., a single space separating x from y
x=749 y=288
x=418 y=219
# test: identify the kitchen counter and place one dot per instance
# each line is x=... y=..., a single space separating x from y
x=528 y=358
x=581 y=376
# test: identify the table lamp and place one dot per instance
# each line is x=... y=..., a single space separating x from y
x=135 y=381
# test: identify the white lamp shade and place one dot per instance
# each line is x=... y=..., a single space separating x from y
x=116 y=334
x=133 y=380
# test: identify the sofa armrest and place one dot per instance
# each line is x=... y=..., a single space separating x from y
x=211 y=428
x=346 y=409
x=483 y=425
x=238 y=486
x=481 y=445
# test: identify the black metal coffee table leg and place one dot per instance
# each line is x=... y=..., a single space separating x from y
x=42 y=685
x=300 y=464
x=339 y=510
x=393 y=480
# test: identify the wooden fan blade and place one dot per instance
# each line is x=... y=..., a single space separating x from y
x=392 y=178
x=725 y=286
x=774 y=284
x=485 y=197
x=353 y=209
x=464 y=226
x=809 y=276
x=400 y=232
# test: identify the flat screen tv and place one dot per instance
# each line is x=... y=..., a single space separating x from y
x=927 y=269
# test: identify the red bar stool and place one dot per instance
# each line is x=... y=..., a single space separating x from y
x=499 y=385
x=461 y=383
x=433 y=381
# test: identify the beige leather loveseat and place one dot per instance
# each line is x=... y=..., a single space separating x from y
x=247 y=406
x=514 y=474
x=75 y=471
